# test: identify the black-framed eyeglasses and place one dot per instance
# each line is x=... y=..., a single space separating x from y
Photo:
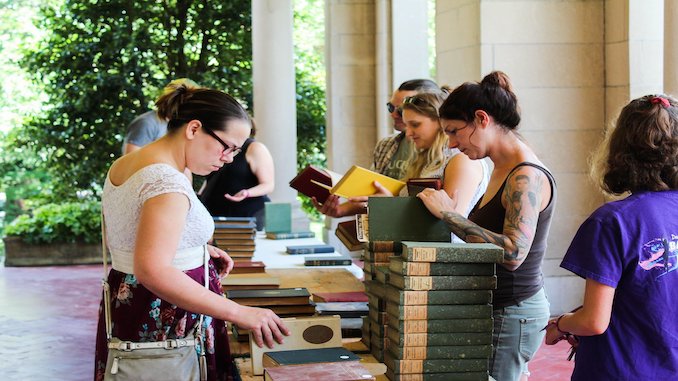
x=390 y=107
x=227 y=149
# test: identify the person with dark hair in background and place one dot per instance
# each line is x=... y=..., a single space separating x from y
x=149 y=127
x=157 y=229
x=240 y=188
x=627 y=250
x=481 y=119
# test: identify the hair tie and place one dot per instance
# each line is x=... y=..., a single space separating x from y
x=663 y=101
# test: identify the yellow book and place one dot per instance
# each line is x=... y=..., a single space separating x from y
x=359 y=181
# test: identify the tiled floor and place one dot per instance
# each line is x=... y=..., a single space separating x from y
x=48 y=323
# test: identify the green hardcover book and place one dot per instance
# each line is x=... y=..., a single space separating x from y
x=456 y=376
x=376 y=302
x=375 y=288
x=440 y=326
x=436 y=339
x=443 y=282
x=400 y=266
x=439 y=311
x=291 y=235
x=433 y=297
x=404 y=219
x=382 y=274
x=452 y=252
x=278 y=217
x=378 y=328
x=435 y=366
x=376 y=315
x=440 y=352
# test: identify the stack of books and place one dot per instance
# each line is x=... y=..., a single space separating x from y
x=285 y=302
x=439 y=313
x=235 y=235
x=253 y=281
x=390 y=221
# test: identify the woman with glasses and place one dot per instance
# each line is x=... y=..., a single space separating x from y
x=240 y=188
x=515 y=213
x=157 y=229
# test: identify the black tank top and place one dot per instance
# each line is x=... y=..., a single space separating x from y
x=515 y=286
x=231 y=179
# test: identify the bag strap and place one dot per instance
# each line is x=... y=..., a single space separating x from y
x=107 y=288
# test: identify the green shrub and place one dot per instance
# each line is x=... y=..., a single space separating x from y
x=66 y=222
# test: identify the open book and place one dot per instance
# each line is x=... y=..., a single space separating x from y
x=357 y=181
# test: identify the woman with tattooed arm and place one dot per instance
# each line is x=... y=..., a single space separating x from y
x=515 y=212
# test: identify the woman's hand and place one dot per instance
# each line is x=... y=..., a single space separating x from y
x=266 y=327
x=223 y=261
x=331 y=207
x=243 y=194
x=438 y=201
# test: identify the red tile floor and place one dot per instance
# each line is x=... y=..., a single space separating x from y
x=48 y=323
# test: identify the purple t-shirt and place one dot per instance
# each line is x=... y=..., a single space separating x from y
x=631 y=245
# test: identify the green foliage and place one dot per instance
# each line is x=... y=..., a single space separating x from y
x=66 y=222
x=103 y=62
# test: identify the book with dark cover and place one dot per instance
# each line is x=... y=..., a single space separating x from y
x=278 y=217
x=375 y=288
x=290 y=235
x=248 y=267
x=438 y=339
x=347 y=296
x=308 y=356
x=330 y=260
x=221 y=220
x=404 y=219
x=310 y=180
x=378 y=256
x=343 y=309
x=399 y=266
x=454 y=376
x=310 y=249
x=279 y=296
x=443 y=282
x=328 y=371
x=418 y=184
x=455 y=311
x=441 y=352
x=452 y=252
x=433 y=297
x=435 y=366
x=292 y=310
x=346 y=232
x=440 y=326
x=382 y=274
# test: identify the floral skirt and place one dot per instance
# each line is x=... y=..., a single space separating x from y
x=139 y=315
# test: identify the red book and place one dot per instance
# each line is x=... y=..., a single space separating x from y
x=327 y=371
x=418 y=184
x=306 y=182
x=248 y=267
x=332 y=297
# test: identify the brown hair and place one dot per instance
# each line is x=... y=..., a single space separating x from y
x=641 y=152
x=181 y=103
x=494 y=95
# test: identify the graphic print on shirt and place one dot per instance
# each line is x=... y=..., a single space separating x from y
x=659 y=256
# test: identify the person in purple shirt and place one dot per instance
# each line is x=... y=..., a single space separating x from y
x=626 y=250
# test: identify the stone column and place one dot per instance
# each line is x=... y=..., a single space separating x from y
x=274 y=94
x=671 y=47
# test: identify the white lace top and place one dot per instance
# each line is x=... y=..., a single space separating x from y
x=122 y=207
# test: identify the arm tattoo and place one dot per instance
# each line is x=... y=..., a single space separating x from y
x=469 y=231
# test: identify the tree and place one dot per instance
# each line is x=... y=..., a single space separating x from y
x=103 y=62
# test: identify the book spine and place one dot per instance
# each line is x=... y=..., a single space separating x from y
x=389 y=246
x=439 y=311
x=466 y=376
x=440 y=326
x=290 y=235
x=437 y=269
x=310 y=250
x=327 y=262
x=434 y=297
x=423 y=283
x=436 y=339
x=453 y=252
x=435 y=366
x=441 y=352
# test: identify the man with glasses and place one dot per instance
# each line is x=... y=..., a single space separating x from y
x=391 y=153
